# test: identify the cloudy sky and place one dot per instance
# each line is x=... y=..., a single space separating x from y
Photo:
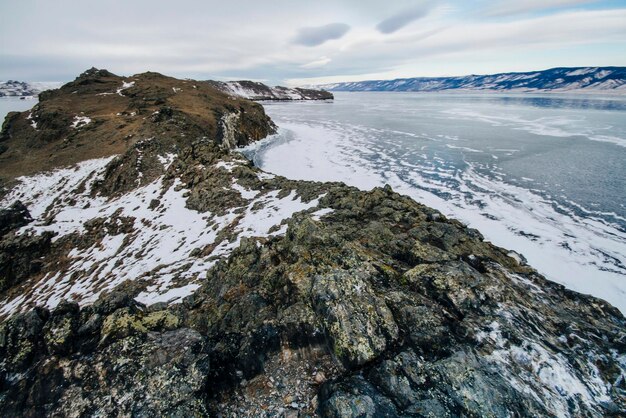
x=305 y=42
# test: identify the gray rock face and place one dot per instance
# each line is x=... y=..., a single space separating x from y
x=357 y=304
x=13 y=217
x=357 y=321
x=124 y=363
x=21 y=257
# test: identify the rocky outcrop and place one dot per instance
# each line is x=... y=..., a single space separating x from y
x=101 y=114
x=16 y=88
x=125 y=362
x=12 y=88
x=178 y=279
x=254 y=90
x=13 y=217
x=21 y=257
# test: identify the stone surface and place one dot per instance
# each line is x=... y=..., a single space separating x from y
x=13 y=217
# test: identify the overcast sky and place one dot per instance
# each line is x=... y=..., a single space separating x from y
x=305 y=42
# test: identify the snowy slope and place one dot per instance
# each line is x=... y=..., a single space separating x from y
x=258 y=91
x=22 y=88
x=585 y=79
x=141 y=238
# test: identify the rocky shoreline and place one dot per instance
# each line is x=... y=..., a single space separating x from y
x=166 y=275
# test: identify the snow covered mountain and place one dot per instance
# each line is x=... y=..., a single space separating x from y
x=21 y=88
x=583 y=79
x=258 y=91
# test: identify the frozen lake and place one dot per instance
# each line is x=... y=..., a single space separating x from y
x=540 y=174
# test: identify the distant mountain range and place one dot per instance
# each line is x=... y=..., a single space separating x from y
x=258 y=91
x=580 y=79
x=558 y=80
x=22 y=88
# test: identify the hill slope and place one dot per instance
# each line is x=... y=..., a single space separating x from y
x=166 y=275
x=582 y=79
x=258 y=91
x=100 y=114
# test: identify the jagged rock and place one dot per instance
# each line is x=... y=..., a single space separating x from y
x=22 y=89
x=13 y=217
x=358 y=322
x=152 y=375
x=7 y=127
x=355 y=397
x=60 y=330
x=20 y=257
x=21 y=340
x=115 y=300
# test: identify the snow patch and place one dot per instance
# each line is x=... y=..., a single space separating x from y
x=166 y=160
x=125 y=85
x=533 y=363
x=581 y=71
x=230 y=165
x=245 y=193
x=262 y=175
x=317 y=215
x=80 y=121
x=33 y=123
x=40 y=191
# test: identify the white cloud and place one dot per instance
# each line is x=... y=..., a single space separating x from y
x=508 y=7
x=317 y=35
x=465 y=48
x=322 y=61
x=404 y=17
x=244 y=39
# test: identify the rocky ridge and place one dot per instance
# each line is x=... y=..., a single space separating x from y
x=162 y=274
x=254 y=90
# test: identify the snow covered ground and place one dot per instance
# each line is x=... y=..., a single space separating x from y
x=159 y=246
